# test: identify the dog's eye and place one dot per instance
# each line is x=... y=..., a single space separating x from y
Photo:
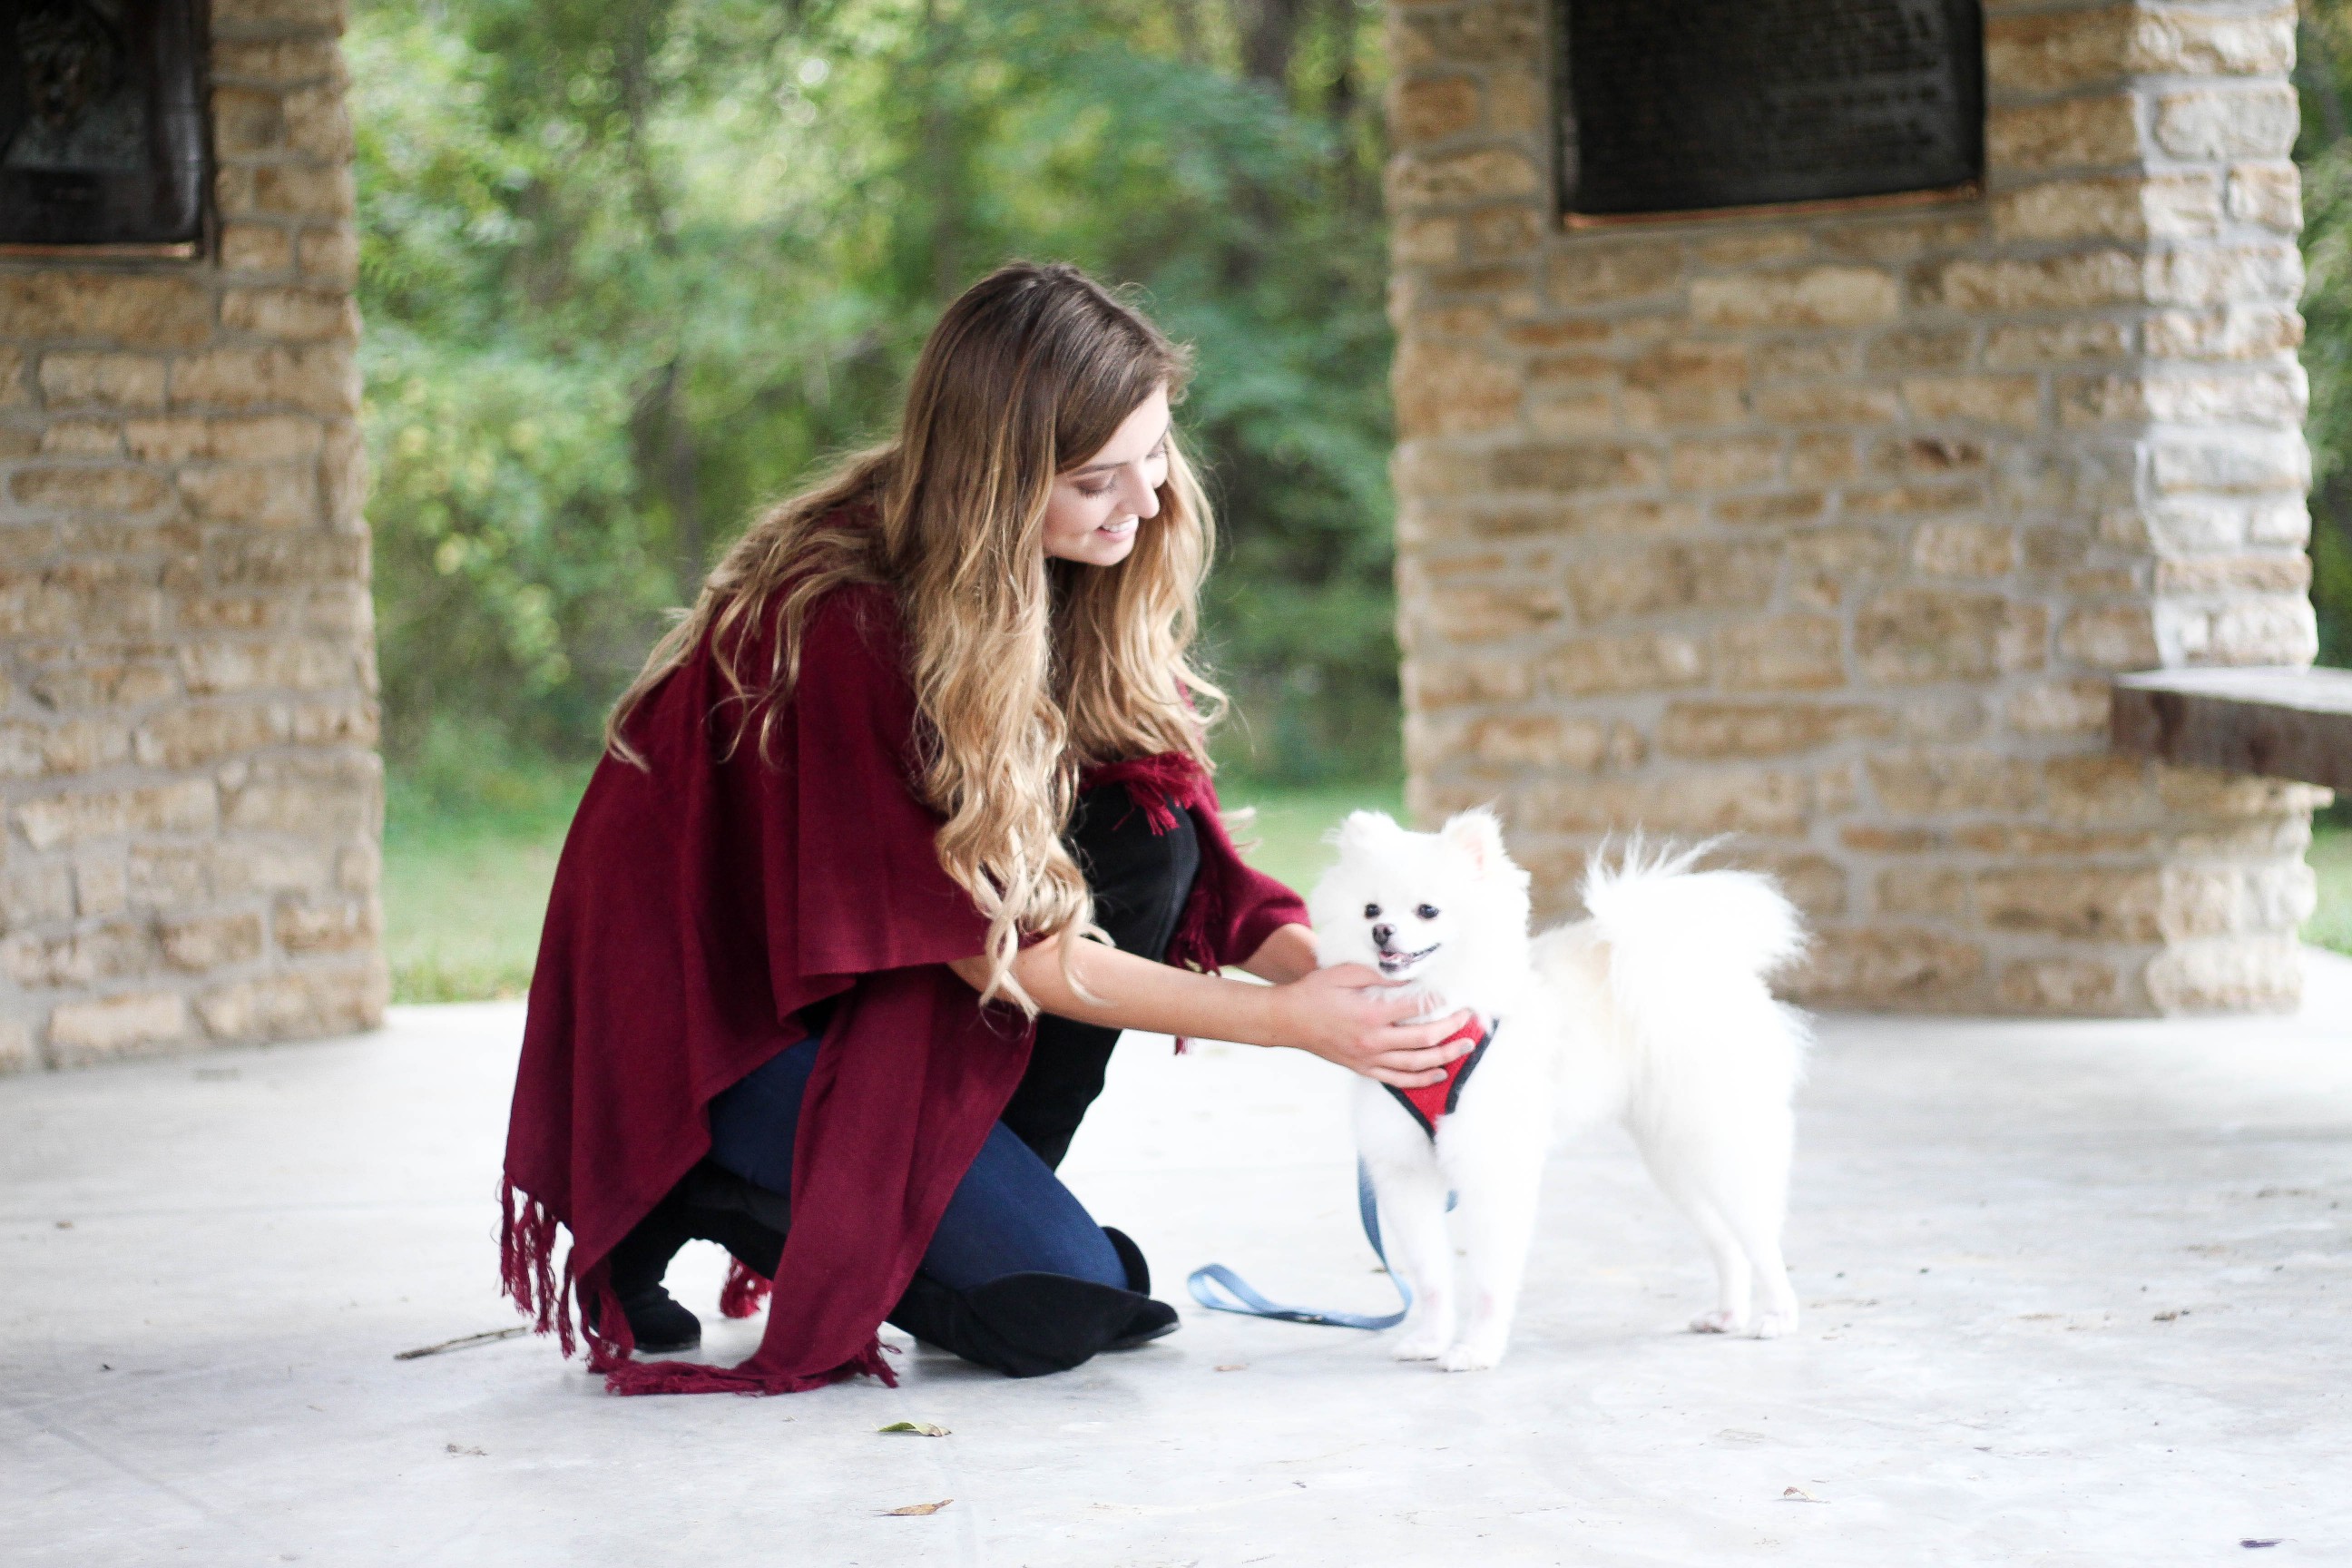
x=1371 y=912
x=1427 y=911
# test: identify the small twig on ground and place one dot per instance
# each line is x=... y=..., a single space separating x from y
x=462 y=1342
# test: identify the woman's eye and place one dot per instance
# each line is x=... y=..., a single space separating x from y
x=1427 y=911
x=1092 y=491
x=1371 y=912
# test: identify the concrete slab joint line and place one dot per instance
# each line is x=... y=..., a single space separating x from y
x=1828 y=530
x=188 y=720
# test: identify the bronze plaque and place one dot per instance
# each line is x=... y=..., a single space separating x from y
x=1674 y=106
x=102 y=122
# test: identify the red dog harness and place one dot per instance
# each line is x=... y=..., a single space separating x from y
x=1430 y=1103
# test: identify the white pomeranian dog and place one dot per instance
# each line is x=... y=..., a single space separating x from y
x=1653 y=1012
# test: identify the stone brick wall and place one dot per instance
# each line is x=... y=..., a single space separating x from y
x=1828 y=531
x=188 y=778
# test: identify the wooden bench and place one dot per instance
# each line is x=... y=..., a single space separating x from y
x=2278 y=722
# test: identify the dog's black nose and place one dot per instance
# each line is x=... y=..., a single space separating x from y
x=1380 y=935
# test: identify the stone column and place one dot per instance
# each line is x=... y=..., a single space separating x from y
x=1828 y=531
x=192 y=797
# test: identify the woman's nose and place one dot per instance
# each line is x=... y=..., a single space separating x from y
x=1141 y=497
x=1380 y=935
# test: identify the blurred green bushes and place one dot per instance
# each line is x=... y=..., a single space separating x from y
x=630 y=267
x=2323 y=73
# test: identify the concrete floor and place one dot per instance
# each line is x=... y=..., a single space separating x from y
x=2078 y=1294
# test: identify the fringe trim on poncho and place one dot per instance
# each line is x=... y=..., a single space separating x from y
x=746 y=1290
x=545 y=1294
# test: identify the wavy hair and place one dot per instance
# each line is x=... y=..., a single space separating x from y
x=1024 y=669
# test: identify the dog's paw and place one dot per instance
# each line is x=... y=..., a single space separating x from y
x=1468 y=1357
x=1772 y=1325
x=1419 y=1347
x=1722 y=1321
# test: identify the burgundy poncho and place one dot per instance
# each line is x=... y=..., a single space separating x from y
x=700 y=902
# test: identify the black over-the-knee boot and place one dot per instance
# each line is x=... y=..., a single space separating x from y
x=712 y=1203
x=1024 y=1325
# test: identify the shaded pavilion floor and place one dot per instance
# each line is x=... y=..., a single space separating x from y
x=2077 y=1293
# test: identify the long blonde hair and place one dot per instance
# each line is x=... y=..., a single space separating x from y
x=1024 y=669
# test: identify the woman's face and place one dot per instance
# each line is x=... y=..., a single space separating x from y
x=1098 y=506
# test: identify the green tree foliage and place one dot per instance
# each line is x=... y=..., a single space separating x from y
x=631 y=267
x=2325 y=150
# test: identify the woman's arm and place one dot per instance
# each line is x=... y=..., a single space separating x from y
x=1346 y=1015
x=1286 y=955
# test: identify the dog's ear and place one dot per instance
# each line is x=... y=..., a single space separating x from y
x=1361 y=830
x=1477 y=834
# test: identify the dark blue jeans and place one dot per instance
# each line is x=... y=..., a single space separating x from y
x=1010 y=1214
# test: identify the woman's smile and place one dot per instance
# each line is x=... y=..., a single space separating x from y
x=1095 y=509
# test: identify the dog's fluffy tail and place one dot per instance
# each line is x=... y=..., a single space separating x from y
x=1674 y=961
x=1649 y=906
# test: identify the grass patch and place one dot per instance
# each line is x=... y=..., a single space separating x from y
x=467 y=862
x=2331 y=856
x=1284 y=838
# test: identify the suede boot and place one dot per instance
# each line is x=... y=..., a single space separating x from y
x=712 y=1203
x=658 y=1324
x=1025 y=1325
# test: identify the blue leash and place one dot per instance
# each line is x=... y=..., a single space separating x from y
x=1221 y=1290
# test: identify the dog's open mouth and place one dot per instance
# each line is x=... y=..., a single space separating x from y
x=1397 y=962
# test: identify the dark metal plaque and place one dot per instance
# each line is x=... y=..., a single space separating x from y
x=1670 y=106
x=102 y=122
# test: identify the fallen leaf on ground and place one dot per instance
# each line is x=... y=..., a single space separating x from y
x=1234 y=1366
x=915 y=1509
x=477 y=1453
x=920 y=1428
x=2273 y=1540
x=1798 y=1494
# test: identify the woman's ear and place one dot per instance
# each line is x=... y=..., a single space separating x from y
x=1477 y=835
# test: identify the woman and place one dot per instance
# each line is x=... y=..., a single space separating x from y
x=819 y=893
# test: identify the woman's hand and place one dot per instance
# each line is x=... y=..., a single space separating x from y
x=1348 y=1015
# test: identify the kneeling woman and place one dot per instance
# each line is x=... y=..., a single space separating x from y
x=922 y=764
